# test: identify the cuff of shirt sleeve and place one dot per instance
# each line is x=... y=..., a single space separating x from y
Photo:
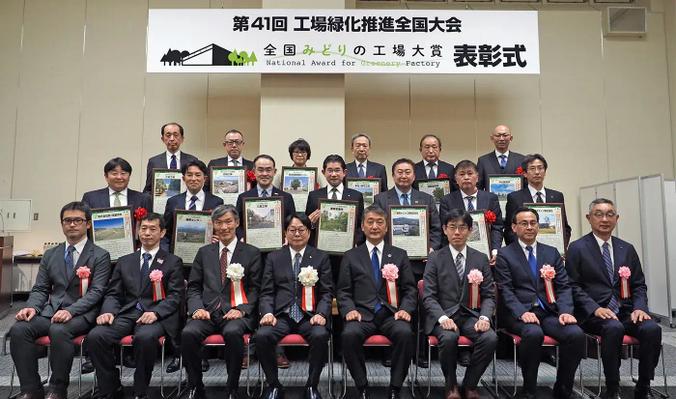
x=443 y=319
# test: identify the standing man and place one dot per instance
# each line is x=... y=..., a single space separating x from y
x=431 y=167
x=117 y=172
x=450 y=308
x=502 y=161
x=143 y=298
x=214 y=307
x=290 y=274
x=234 y=144
x=173 y=158
x=596 y=265
x=57 y=308
x=367 y=274
x=361 y=166
x=536 y=300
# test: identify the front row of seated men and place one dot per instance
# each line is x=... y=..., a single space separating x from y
x=601 y=290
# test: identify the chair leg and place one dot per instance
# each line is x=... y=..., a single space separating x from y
x=330 y=370
x=248 y=382
x=79 y=374
x=11 y=382
x=180 y=376
x=344 y=373
x=429 y=372
x=49 y=368
x=162 y=372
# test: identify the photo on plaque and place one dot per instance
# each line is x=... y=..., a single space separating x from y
x=479 y=238
x=336 y=227
x=192 y=230
x=368 y=187
x=299 y=182
x=437 y=188
x=502 y=185
x=112 y=230
x=166 y=184
x=409 y=230
x=228 y=182
x=263 y=224
x=551 y=229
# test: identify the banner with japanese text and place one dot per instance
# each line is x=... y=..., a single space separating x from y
x=342 y=41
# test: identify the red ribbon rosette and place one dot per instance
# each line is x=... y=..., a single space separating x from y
x=442 y=176
x=390 y=273
x=370 y=177
x=474 y=278
x=158 y=289
x=490 y=217
x=250 y=176
x=140 y=213
x=83 y=273
x=548 y=273
x=519 y=170
x=625 y=273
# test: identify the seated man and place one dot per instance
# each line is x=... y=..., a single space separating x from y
x=376 y=294
x=536 y=300
x=291 y=272
x=459 y=301
x=215 y=307
x=142 y=300
x=595 y=265
x=57 y=307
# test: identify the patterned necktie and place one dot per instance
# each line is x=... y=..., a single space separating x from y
x=432 y=174
x=460 y=265
x=224 y=265
x=470 y=205
x=70 y=261
x=296 y=312
x=193 y=203
x=116 y=200
x=264 y=194
x=539 y=198
x=503 y=161
x=375 y=266
x=533 y=263
x=334 y=193
x=404 y=199
x=172 y=164
x=607 y=260
x=145 y=267
x=362 y=172
x=235 y=162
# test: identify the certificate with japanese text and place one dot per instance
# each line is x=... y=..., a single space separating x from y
x=336 y=226
x=263 y=222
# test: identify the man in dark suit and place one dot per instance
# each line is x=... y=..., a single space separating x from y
x=142 y=300
x=450 y=309
x=431 y=167
x=172 y=158
x=361 y=166
x=57 y=307
x=334 y=171
x=536 y=300
x=214 y=303
x=502 y=161
x=290 y=273
x=377 y=294
x=117 y=172
x=469 y=198
x=535 y=169
x=594 y=262
x=234 y=144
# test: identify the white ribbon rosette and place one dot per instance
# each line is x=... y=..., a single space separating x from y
x=235 y=273
x=308 y=277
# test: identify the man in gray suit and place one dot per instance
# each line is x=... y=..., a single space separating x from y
x=61 y=305
x=452 y=310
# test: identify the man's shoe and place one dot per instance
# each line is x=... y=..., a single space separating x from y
x=232 y=393
x=54 y=395
x=611 y=393
x=87 y=367
x=196 y=393
x=144 y=396
x=393 y=393
x=205 y=365
x=312 y=393
x=387 y=361
x=422 y=363
x=129 y=362
x=453 y=393
x=464 y=358
x=118 y=393
x=282 y=361
x=363 y=393
x=471 y=393
x=642 y=392
x=174 y=365
x=549 y=358
x=32 y=395
x=562 y=392
x=273 y=393
x=245 y=362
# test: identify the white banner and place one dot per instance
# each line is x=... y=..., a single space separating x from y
x=342 y=41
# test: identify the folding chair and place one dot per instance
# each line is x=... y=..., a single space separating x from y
x=128 y=341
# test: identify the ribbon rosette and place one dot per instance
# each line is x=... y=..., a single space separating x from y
x=548 y=273
x=490 y=217
x=158 y=289
x=308 y=277
x=475 y=278
x=250 y=176
x=83 y=273
x=140 y=213
x=235 y=273
x=624 y=273
x=390 y=273
x=442 y=176
x=519 y=170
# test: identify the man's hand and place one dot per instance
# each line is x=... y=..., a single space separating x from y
x=353 y=315
x=214 y=239
x=482 y=326
x=491 y=262
x=317 y=320
x=106 y=318
x=62 y=316
x=530 y=318
x=26 y=314
x=565 y=318
x=268 y=320
x=201 y=314
x=605 y=314
x=449 y=324
x=147 y=318
x=233 y=314
x=314 y=217
x=638 y=316
x=402 y=315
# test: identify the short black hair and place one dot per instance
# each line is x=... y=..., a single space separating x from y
x=374 y=209
x=300 y=145
x=427 y=136
x=358 y=135
x=234 y=131
x=466 y=164
x=525 y=209
x=77 y=206
x=114 y=163
x=459 y=214
x=154 y=216
x=402 y=160
x=334 y=158
x=530 y=158
x=300 y=216
x=180 y=128
x=197 y=163
x=264 y=156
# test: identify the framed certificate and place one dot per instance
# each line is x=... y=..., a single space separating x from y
x=336 y=227
x=409 y=230
x=479 y=237
x=166 y=184
x=502 y=185
x=437 y=188
x=368 y=187
x=112 y=230
x=299 y=182
x=551 y=224
x=227 y=182
x=192 y=230
x=263 y=222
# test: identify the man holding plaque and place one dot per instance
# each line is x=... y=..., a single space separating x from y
x=143 y=299
x=62 y=304
x=459 y=296
x=173 y=158
x=377 y=294
x=295 y=298
x=536 y=300
x=234 y=144
x=431 y=167
x=222 y=299
x=501 y=161
x=361 y=167
x=117 y=173
x=611 y=297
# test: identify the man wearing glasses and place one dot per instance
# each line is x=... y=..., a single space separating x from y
x=501 y=161
x=58 y=306
x=234 y=144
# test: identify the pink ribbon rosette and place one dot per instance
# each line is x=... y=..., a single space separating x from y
x=390 y=273
x=237 y=295
x=308 y=277
x=548 y=273
x=83 y=273
x=158 y=289
x=624 y=273
x=475 y=278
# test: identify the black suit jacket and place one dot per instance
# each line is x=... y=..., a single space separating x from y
x=488 y=165
x=56 y=289
x=348 y=195
x=224 y=162
x=287 y=202
x=126 y=288
x=277 y=287
x=356 y=289
x=101 y=199
x=442 y=167
x=519 y=290
x=373 y=169
x=484 y=201
x=445 y=292
x=516 y=199
x=159 y=161
x=178 y=202
x=206 y=291
x=591 y=284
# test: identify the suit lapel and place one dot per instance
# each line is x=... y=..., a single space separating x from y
x=392 y=198
x=181 y=202
x=83 y=260
x=366 y=265
x=595 y=251
x=524 y=262
x=158 y=262
x=511 y=162
x=618 y=257
x=481 y=200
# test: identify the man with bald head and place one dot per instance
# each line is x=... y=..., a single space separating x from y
x=501 y=161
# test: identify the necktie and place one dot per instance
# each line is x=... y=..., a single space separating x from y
x=362 y=172
x=432 y=174
x=193 y=203
x=70 y=263
x=334 y=193
x=296 y=312
x=375 y=266
x=224 y=265
x=172 y=164
x=145 y=267
x=460 y=265
x=533 y=263
x=235 y=162
x=116 y=200
x=470 y=205
x=404 y=199
x=612 y=304
x=503 y=161
x=264 y=194
x=539 y=198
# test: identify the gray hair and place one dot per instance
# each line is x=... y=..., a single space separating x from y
x=600 y=201
x=358 y=135
x=222 y=210
x=374 y=209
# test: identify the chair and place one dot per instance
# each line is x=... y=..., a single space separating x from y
x=128 y=341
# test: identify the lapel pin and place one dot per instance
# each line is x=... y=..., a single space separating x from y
x=389 y=255
x=160 y=261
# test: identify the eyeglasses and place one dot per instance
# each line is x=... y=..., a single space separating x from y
x=600 y=215
x=300 y=230
x=75 y=221
x=233 y=142
x=461 y=228
x=525 y=224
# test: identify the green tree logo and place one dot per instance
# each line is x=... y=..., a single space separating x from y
x=242 y=58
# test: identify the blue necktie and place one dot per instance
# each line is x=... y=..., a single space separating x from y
x=432 y=174
x=533 y=263
x=404 y=199
x=145 y=267
x=172 y=164
x=612 y=304
x=193 y=203
x=264 y=193
x=296 y=312
x=375 y=265
x=470 y=205
x=70 y=264
x=503 y=161
x=362 y=172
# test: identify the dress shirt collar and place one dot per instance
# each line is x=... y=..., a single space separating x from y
x=152 y=252
x=357 y=163
x=112 y=192
x=200 y=199
x=523 y=246
x=239 y=160
x=436 y=163
x=399 y=193
x=79 y=247
x=231 y=247
x=474 y=194
x=533 y=191
x=294 y=252
x=339 y=188
x=260 y=190
x=454 y=252
x=380 y=246
x=498 y=153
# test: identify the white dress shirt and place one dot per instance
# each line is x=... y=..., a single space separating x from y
x=199 y=204
x=534 y=191
x=339 y=191
x=123 y=197
x=178 y=159
x=153 y=254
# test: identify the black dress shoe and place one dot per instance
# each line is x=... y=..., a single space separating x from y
x=232 y=394
x=54 y=395
x=393 y=393
x=196 y=393
x=312 y=393
x=273 y=393
x=174 y=365
x=464 y=358
x=128 y=361
x=422 y=363
x=144 y=396
x=205 y=365
x=363 y=393
x=87 y=367
x=642 y=392
x=611 y=393
x=32 y=395
x=118 y=393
